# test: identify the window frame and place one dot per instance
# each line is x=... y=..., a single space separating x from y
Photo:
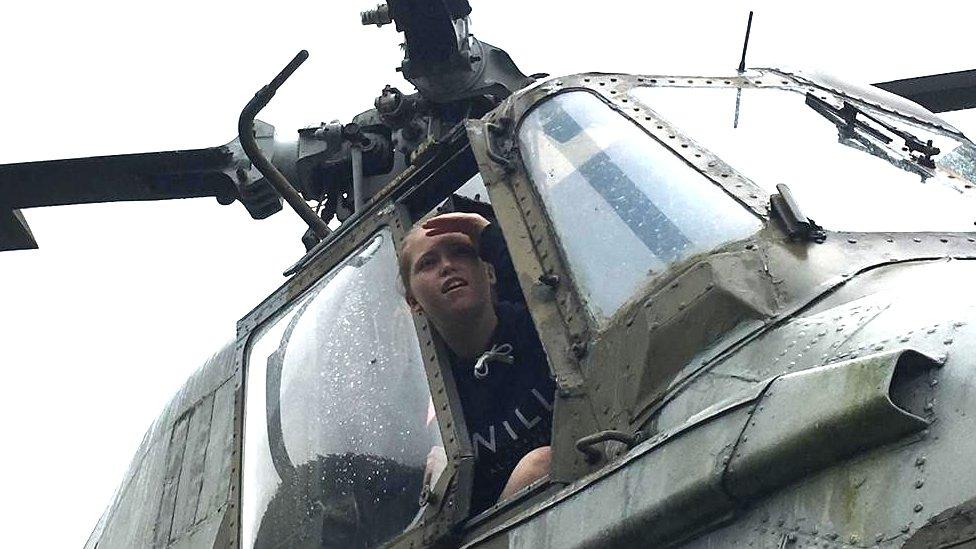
x=613 y=90
x=449 y=499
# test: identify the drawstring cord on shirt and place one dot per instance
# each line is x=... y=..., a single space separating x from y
x=500 y=353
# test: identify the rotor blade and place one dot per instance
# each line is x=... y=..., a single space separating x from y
x=14 y=232
x=148 y=176
x=951 y=91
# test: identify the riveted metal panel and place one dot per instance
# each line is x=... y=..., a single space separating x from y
x=132 y=515
x=201 y=536
x=883 y=497
x=191 y=475
x=217 y=464
x=666 y=490
x=799 y=427
x=171 y=480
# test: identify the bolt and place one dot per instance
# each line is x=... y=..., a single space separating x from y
x=549 y=279
x=579 y=350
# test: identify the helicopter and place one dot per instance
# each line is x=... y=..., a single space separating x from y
x=833 y=116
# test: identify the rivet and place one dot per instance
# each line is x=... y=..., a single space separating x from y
x=943 y=240
x=920 y=461
x=928 y=406
x=906 y=528
x=948 y=341
x=879 y=537
x=852 y=240
x=919 y=483
x=934 y=382
x=916 y=239
x=918 y=507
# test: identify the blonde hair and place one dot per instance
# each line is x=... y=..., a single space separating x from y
x=403 y=278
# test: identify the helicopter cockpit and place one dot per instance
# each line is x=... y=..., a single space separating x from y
x=609 y=188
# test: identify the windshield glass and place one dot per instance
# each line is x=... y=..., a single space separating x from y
x=855 y=176
x=624 y=207
x=336 y=411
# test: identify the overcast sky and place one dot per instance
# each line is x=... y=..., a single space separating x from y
x=102 y=324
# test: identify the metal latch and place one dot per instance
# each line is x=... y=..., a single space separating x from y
x=796 y=225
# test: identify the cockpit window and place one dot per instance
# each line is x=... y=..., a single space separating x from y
x=850 y=166
x=336 y=412
x=624 y=207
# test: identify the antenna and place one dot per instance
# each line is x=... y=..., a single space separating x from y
x=742 y=69
x=745 y=45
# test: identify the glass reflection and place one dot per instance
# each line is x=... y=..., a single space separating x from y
x=844 y=178
x=624 y=207
x=337 y=400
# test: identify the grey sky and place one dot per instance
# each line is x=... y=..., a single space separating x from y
x=102 y=324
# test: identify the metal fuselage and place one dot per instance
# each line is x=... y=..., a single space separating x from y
x=771 y=391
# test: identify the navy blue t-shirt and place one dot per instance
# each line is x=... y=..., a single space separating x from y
x=508 y=412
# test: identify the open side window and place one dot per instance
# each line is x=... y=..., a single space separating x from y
x=505 y=395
